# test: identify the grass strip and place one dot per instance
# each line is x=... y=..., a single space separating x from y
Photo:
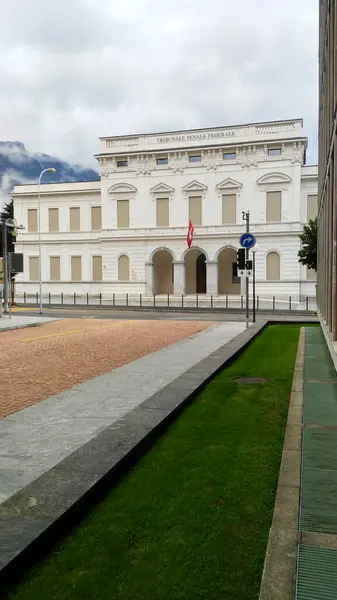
x=191 y=520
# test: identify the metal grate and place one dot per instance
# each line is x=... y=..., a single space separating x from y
x=316 y=573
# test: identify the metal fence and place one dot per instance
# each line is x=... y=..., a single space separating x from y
x=170 y=301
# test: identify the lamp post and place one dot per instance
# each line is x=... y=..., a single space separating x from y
x=50 y=170
x=254 y=250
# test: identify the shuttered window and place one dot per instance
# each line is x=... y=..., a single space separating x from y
x=273 y=208
x=312 y=206
x=53 y=214
x=97 y=268
x=34 y=271
x=195 y=210
x=123 y=268
x=228 y=209
x=55 y=268
x=162 y=207
x=32 y=220
x=123 y=220
x=273 y=266
x=76 y=268
x=96 y=218
x=74 y=218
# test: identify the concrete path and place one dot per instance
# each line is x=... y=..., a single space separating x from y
x=34 y=440
x=22 y=321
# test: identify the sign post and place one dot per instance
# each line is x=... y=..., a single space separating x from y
x=247 y=241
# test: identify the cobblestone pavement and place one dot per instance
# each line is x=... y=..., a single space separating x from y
x=41 y=361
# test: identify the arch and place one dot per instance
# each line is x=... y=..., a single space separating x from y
x=195 y=271
x=153 y=253
x=273 y=266
x=162 y=259
x=201 y=250
x=228 y=282
x=227 y=247
x=122 y=188
x=123 y=268
x=274 y=178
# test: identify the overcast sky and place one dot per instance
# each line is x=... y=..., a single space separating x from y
x=74 y=70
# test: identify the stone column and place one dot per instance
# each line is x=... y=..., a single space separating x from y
x=179 y=278
x=149 y=279
x=211 y=277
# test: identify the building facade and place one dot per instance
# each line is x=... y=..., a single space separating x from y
x=127 y=232
x=327 y=213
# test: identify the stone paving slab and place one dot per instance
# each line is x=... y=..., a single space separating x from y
x=23 y=321
x=55 y=497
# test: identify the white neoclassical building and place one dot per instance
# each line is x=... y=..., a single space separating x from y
x=127 y=232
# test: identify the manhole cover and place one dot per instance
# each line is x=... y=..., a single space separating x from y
x=251 y=380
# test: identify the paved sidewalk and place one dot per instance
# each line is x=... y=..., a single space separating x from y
x=34 y=440
x=21 y=321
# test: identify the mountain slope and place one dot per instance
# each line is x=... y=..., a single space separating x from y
x=18 y=165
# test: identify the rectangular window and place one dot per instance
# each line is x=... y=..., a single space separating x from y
x=195 y=210
x=235 y=277
x=97 y=268
x=193 y=158
x=163 y=216
x=229 y=155
x=273 y=208
x=96 y=218
x=76 y=268
x=274 y=151
x=122 y=163
x=162 y=160
x=53 y=214
x=123 y=221
x=32 y=220
x=312 y=206
x=54 y=268
x=34 y=270
x=228 y=209
x=74 y=218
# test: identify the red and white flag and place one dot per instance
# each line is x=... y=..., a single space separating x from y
x=190 y=233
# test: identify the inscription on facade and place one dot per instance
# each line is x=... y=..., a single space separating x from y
x=123 y=142
x=195 y=136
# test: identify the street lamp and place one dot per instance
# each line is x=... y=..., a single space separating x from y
x=50 y=170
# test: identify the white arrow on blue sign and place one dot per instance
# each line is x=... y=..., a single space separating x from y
x=247 y=240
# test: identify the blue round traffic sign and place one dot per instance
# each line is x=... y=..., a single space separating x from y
x=247 y=240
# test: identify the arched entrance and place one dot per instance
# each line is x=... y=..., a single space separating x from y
x=195 y=272
x=162 y=272
x=228 y=281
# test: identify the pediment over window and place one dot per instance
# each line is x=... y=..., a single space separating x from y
x=162 y=188
x=228 y=183
x=194 y=186
x=122 y=188
x=274 y=178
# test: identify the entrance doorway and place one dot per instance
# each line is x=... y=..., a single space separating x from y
x=195 y=272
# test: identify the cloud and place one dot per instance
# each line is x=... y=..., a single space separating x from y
x=74 y=70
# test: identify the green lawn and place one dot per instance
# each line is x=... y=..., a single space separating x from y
x=191 y=520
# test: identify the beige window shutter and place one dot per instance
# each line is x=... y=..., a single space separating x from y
x=74 y=218
x=162 y=208
x=76 y=268
x=53 y=214
x=195 y=210
x=123 y=268
x=96 y=218
x=273 y=208
x=97 y=268
x=34 y=270
x=123 y=219
x=311 y=274
x=55 y=268
x=228 y=209
x=312 y=206
x=32 y=220
x=273 y=266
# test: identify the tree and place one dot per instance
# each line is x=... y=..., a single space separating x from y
x=7 y=213
x=307 y=256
